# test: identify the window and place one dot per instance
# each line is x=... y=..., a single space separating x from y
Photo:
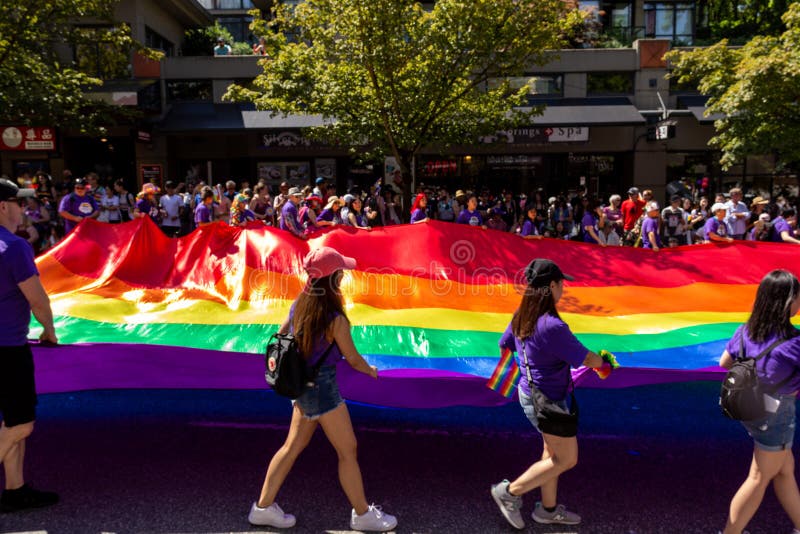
x=670 y=21
x=97 y=57
x=609 y=83
x=153 y=39
x=227 y=4
x=548 y=85
x=239 y=28
x=189 y=91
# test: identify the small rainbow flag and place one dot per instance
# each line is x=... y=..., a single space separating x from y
x=506 y=375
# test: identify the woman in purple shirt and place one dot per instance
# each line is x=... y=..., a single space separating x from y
x=530 y=230
x=322 y=330
x=471 y=215
x=418 y=213
x=546 y=349
x=590 y=222
x=777 y=301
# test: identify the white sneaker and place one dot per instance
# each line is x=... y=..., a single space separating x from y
x=271 y=516
x=374 y=519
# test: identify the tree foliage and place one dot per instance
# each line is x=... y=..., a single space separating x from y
x=739 y=20
x=756 y=87
x=390 y=75
x=50 y=51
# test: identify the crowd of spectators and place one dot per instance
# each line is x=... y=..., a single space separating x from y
x=638 y=220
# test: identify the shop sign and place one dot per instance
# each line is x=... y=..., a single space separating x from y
x=285 y=140
x=27 y=138
x=152 y=174
x=513 y=162
x=539 y=135
x=440 y=168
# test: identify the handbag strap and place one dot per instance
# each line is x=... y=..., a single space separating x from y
x=763 y=354
x=530 y=378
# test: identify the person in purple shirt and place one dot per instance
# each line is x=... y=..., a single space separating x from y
x=77 y=206
x=289 y=221
x=781 y=229
x=715 y=228
x=590 y=222
x=529 y=229
x=418 y=213
x=204 y=212
x=651 y=237
x=330 y=214
x=545 y=349
x=777 y=301
x=146 y=204
x=321 y=328
x=21 y=292
x=470 y=215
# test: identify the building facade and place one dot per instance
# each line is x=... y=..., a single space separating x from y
x=599 y=128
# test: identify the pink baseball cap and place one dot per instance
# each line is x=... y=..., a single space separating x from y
x=325 y=261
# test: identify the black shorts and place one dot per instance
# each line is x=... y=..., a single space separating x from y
x=17 y=385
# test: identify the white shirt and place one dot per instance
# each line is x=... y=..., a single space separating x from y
x=109 y=201
x=172 y=205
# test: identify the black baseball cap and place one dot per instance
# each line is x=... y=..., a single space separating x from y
x=540 y=272
x=10 y=190
x=81 y=181
x=169 y=185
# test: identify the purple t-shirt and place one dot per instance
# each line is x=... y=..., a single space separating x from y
x=202 y=214
x=418 y=215
x=780 y=364
x=650 y=224
x=472 y=218
x=589 y=220
x=326 y=215
x=16 y=266
x=76 y=205
x=552 y=349
x=715 y=226
x=779 y=226
x=289 y=213
x=321 y=346
x=529 y=228
x=149 y=209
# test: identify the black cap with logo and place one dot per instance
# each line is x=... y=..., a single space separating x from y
x=540 y=272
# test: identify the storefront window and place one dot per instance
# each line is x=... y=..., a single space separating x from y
x=609 y=83
x=538 y=86
x=670 y=21
x=189 y=91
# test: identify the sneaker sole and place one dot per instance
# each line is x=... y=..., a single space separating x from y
x=554 y=521
x=502 y=508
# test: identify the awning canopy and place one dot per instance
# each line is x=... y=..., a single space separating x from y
x=696 y=104
x=193 y=116
x=118 y=92
x=589 y=112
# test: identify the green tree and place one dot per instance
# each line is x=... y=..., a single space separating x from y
x=739 y=20
x=49 y=56
x=391 y=77
x=756 y=87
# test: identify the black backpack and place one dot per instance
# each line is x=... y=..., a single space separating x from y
x=287 y=373
x=741 y=396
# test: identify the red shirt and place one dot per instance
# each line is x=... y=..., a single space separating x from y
x=631 y=212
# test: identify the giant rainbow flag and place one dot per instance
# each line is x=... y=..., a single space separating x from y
x=428 y=302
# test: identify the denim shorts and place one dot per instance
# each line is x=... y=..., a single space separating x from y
x=322 y=397
x=530 y=410
x=776 y=431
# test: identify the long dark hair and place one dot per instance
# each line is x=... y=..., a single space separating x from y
x=772 y=309
x=536 y=301
x=314 y=310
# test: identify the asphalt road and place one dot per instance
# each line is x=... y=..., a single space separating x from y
x=656 y=459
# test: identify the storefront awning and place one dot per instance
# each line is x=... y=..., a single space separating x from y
x=118 y=92
x=696 y=104
x=589 y=112
x=264 y=120
x=194 y=116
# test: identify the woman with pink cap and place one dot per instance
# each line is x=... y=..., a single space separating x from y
x=320 y=325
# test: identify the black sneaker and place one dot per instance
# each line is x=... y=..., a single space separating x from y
x=24 y=498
